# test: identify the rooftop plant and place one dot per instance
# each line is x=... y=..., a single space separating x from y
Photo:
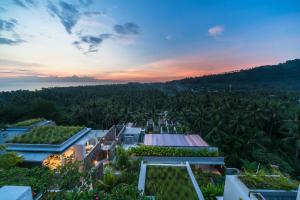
x=211 y=185
x=171 y=151
x=169 y=183
x=28 y=122
x=47 y=135
x=264 y=181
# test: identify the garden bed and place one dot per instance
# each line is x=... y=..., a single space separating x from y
x=268 y=182
x=168 y=182
x=211 y=185
x=171 y=151
x=47 y=135
x=26 y=123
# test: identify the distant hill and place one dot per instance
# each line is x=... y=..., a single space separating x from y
x=281 y=76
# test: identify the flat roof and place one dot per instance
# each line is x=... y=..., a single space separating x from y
x=34 y=156
x=15 y=192
x=180 y=160
x=90 y=135
x=132 y=130
x=174 y=140
x=6 y=135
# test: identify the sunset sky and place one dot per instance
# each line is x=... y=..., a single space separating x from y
x=145 y=40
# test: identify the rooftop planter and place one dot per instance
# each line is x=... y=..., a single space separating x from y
x=27 y=123
x=169 y=183
x=171 y=152
x=269 y=182
x=47 y=135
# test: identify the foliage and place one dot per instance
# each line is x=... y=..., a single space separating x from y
x=211 y=185
x=9 y=160
x=39 y=178
x=71 y=176
x=28 y=122
x=108 y=182
x=171 y=151
x=47 y=135
x=120 y=192
x=122 y=158
x=263 y=181
x=210 y=191
x=256 y=125
x=169 y=183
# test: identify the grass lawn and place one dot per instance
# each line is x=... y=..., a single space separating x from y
x=28 y=122
x=47 y=135
x=167 y=182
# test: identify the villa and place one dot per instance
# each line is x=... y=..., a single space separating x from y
x=256 y=187
x=52 y=145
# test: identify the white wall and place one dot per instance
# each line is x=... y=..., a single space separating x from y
x=235 y=189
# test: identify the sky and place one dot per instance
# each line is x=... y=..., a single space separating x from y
x=145 y=40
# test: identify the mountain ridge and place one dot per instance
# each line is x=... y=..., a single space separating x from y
x=282 y=75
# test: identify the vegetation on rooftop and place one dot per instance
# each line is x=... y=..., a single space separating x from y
x=144 y=150
x=28 y=122
x=211 y=184
x=261 y=180
x=169 y=183
x=47 y=135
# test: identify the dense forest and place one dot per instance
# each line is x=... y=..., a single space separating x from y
x=249 y=127
x=253 y=126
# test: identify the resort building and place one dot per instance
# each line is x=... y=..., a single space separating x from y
x=53 y=146
x=20 y=128
x=239 y=187
x=208 y=160
x=132 y=135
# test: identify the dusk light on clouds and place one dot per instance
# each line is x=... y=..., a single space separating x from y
x=146 y=41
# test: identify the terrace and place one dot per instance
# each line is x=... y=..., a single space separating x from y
x=260 y=186
x=53 y=146
x=28 y=123
x=47 y=135
x=169 y=182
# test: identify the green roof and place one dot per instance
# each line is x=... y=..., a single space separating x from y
x=28 y=122
x=47 y=135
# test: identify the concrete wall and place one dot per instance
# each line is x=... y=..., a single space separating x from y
x=235 y=189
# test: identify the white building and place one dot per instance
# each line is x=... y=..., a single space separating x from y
x=235 y=189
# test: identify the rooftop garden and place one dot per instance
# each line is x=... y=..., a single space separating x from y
x=171 y=151
x=211 y=185
x=47 y=135
x=263 y=181
x=28 y=122
x=169 y=183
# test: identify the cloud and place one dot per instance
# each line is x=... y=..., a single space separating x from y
x=2 y=9
x=92 y=42
x=67 y=13
x=8 y=25
x=6 y=41
x=91 y=13
x=216 y=30
x=127 y=29
x=24 y=3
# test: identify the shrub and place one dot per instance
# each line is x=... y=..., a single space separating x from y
x=263 y=181
x=170 y=151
